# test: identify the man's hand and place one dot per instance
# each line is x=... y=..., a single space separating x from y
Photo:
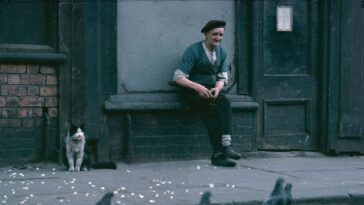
x=203 y=91
x=200 y=89
x=216 y=90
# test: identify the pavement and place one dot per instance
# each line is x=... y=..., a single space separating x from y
x=317 y=180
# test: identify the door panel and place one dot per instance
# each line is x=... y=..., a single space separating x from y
x=346 y=124
x=286 y=77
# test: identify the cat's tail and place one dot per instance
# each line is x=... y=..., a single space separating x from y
x=104 y=165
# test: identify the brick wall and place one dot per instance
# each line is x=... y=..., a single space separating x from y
x=26 y=92
x=171 y=135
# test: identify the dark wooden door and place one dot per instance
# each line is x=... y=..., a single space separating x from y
x=346 y=85
x=285 y=74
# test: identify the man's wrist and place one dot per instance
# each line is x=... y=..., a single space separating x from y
x=219 y=85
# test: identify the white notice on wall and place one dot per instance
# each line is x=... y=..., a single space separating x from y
x=284 y=18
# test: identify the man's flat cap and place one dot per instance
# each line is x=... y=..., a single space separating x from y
x=213 y=24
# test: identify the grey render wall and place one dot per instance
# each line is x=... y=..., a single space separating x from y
x=152 y=36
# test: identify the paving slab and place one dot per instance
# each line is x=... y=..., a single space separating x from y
x=316 y=179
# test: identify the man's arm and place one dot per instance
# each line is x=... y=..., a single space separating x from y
x=200 y=89
x=216 y=90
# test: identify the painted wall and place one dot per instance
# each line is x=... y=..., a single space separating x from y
x=152 y=36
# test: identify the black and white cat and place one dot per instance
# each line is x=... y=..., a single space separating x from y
x=79 y=155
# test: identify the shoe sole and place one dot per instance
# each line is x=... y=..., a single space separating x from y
x=234 y=157
x=224 y=164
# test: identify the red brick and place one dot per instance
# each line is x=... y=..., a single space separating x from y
x=52 y=112
x=48 y=91
x=50 y=102
x=10 y=122
x=32 y=69
x=51 y=80
x=14 y=113
x=47 y=70
x=12 y=102
x=24 y=79
x=31 y=101
x=2 y=101
x=13 y=90
x=37 y=79
x=36 y=112
x=33 y=90
x=3 y=79
x=12 y=68
x=13 y=79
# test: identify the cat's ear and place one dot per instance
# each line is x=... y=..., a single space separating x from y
x=82 y=126
x=73 y=128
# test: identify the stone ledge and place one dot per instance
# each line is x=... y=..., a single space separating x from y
x=34 y=57
x=166 y=101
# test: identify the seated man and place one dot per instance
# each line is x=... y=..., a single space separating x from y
x=202 y=75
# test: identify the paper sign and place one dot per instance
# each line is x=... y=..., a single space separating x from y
x=284 y=18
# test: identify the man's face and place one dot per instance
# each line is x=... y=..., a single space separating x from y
x=214 y=37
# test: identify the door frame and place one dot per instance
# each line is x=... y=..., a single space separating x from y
x=256 y=55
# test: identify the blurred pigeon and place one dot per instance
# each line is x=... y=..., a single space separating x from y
x=281 y=194
x=106 y=199
x=205 y=199
x=288 y=191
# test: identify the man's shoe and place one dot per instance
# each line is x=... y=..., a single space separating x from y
x=231 y=153
x=220 y=159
